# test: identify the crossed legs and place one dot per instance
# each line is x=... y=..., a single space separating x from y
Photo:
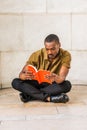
x=40 y=91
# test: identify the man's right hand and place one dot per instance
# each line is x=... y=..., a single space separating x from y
x=25 y=74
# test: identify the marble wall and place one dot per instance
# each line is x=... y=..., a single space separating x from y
x=25 y=24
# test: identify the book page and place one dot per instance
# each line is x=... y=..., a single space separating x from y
x=32 y=68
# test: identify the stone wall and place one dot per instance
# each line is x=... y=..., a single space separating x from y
x=25 y=24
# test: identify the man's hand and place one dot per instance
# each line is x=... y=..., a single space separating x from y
x=54 y=77
x=25 y=74
x=58 y=78
x=51 y=77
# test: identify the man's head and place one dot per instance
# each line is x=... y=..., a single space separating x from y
x=52 y=45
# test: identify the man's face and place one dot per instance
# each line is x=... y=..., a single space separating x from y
x=52 y=49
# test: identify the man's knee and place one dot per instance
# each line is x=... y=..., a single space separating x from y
x=69 y=85
x=15 y=83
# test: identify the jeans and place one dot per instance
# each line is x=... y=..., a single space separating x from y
x=40 y=91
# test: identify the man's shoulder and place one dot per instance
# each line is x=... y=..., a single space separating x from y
x=40 y=51
x=64 y=52
x=33 y=59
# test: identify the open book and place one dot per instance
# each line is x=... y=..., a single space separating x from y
x=40 y=75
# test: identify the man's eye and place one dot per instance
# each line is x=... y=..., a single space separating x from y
x=53 y=49
x=50 y=49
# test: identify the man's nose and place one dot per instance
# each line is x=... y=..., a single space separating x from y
x=49 y=52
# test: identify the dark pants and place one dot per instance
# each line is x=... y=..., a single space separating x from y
x=40 y=91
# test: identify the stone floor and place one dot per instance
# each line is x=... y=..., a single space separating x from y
x=36 y=115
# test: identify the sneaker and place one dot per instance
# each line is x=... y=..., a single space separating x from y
x=24 y=97
x=62 y=98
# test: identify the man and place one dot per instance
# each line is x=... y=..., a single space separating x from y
x=54 y=59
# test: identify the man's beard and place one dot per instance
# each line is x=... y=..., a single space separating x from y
x=50 y=56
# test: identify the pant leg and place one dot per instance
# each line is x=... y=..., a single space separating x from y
x=55 y=88
x=29 y=87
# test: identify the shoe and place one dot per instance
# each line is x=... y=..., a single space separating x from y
x=62 y=98
x=24 y=97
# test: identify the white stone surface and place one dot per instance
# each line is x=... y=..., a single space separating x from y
x=34 y=6
x=79 y=31
x=68 y=6
x=78 y=70
x=18 y=6
x=21 y=6
x=59 y=6
x=37 y=27
x=79 y=6
x=25 y=24
x=11 y=32
x=0 y=70
x=50 y=124
x=35 y=115
x=11 y=64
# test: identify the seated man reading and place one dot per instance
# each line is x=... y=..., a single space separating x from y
x=54 y=59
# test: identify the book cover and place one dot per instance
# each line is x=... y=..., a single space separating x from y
x=40 y=75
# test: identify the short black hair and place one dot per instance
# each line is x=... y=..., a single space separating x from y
x=52 y=37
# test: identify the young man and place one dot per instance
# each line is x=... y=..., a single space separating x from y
x=54 y=59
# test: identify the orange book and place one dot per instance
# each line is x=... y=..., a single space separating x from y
x=40 y=75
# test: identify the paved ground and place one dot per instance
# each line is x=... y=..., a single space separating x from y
x=36 y=115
